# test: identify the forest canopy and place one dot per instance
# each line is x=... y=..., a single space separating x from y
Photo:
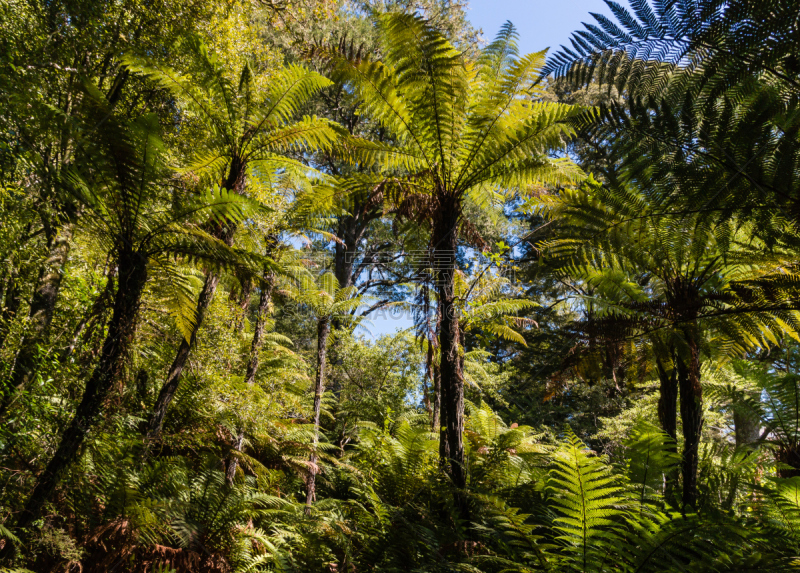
x=212 y=211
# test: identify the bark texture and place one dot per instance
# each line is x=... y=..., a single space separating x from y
x=789 y=456
x=691 y=397
x=252 y=361
x=445 y=240
x=747 y=427
x=668 y=417
x=121 y=331
x=169 y=388
x=224 y=232
x=12 y=300
x=436 y=422
x=323 y=331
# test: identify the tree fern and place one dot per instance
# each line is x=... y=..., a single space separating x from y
x=461 y=131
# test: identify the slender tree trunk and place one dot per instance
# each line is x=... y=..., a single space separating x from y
x=169 y=388
x=436 y=374
x=12 y=300
x=746 y=430
x=747 y=427
x=104 y=298
x=121 y=331
x=445 y=240
x=436 y=423
x=427 y=383
x=323 y=331
x=243 y=300
x=668 y=418
x=345 y=254
x=224 y=232
x=691 y=396
x=43 y=304
x=252 y=362
x=143 y=386
x=261 y=325
x=350 y=230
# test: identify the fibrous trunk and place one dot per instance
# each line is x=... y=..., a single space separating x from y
x=668 y=416
x=445 y=242
x=132 y=273
x=169 y=388
x=253 y=359
x=691 y=396
x=436 y=422
x=12 y=300
x=323 y=331
x=788 y=456
x=746 y=424
x=427 y=381
x=225 y=233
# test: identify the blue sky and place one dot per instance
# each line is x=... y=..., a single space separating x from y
x=540 y=23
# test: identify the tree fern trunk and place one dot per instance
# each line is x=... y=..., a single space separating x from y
x=427 y=382
x=236 y=182
x=323 y=331
x=121 y=331
x=169 y=388
x=440 y=422
x=445 y=242
x=345 y=253
x=244 y=303
x=436 y=422
x=788 y=455
x=252 y=362
x=261 y=325
x=747 y=427
x=12 y=300
x=668 y=418
x=691 y=395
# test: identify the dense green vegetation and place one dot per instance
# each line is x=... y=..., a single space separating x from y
x=207 y=207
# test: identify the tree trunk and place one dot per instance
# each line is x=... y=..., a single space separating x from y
x=351 y=229
x=121 y=331
x=323 y=331
x=142 y=386
x=788 y=455
x=261 y=325
x=445 y=241
x=345 y=254
x=243 y=300
x=43 y=304
x=427 y=382
x=12 y=300
x=668 y=418
x=252 y=362
x=691 y=394
x=436 y=423
x=746 y=426
x=235 y=181
x=169 y=388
